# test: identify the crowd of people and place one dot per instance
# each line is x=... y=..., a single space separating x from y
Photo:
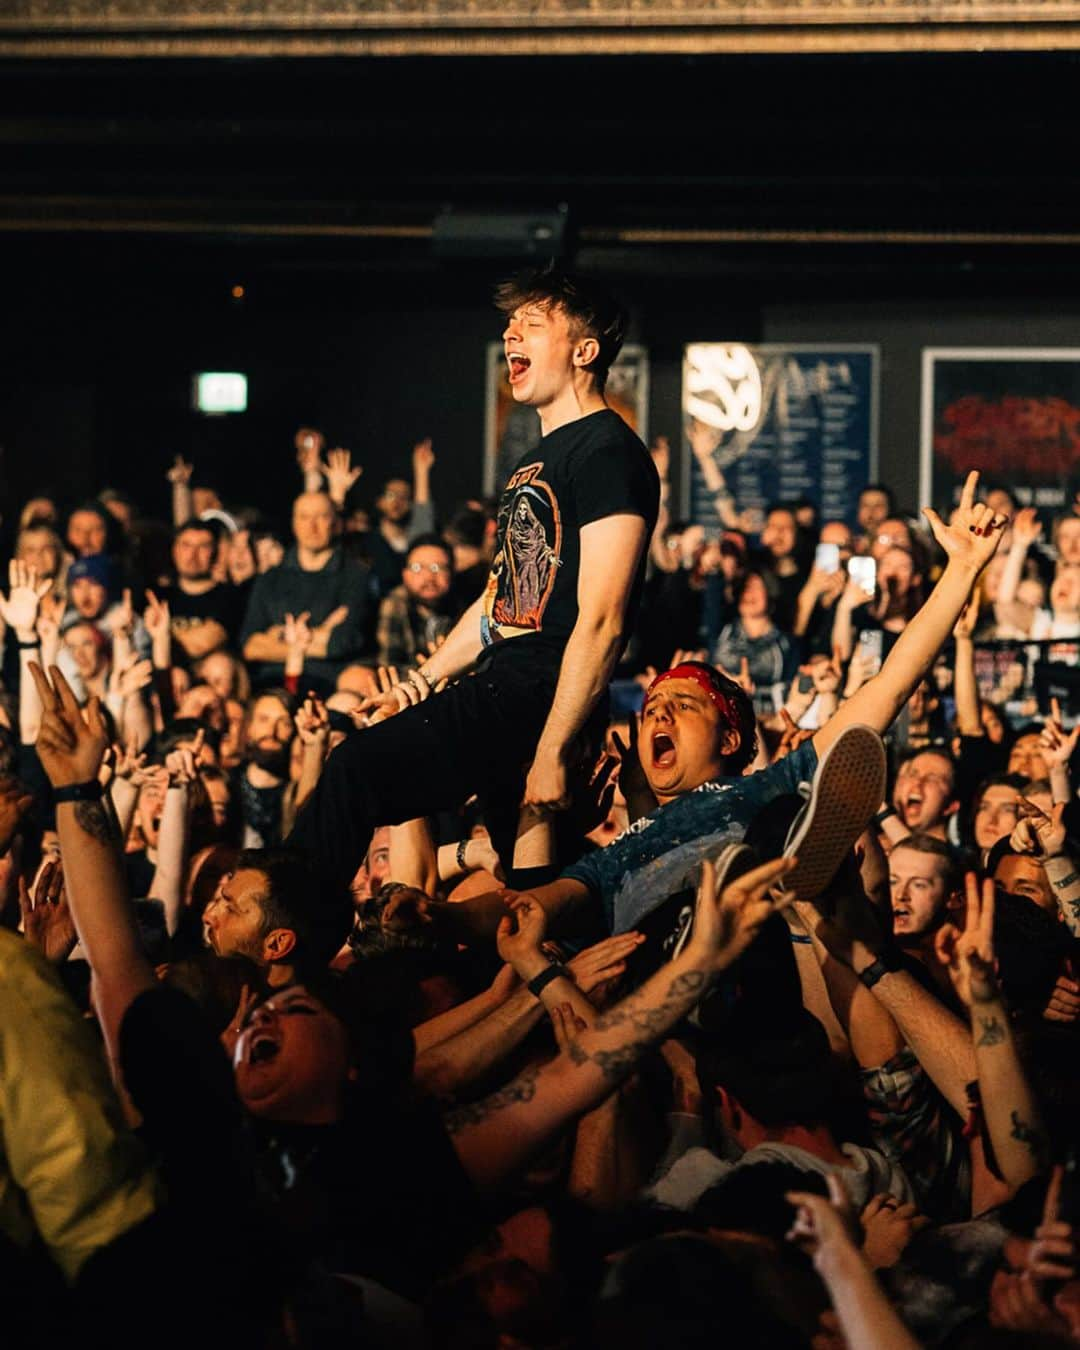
x=538 y=922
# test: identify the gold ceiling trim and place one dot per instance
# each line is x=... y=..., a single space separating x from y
x=528 y=27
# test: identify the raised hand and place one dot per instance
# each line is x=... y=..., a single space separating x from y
x=1026 y=526
x=25 y=594
x=309 y=444
x=340 y=475
x=182 y=764
x=156 y=617
x=423 y=457
x=128 y=762
x=1056 y=744
x=566 y=1025
x=631 y=776
x=46 y=920
x=725 y=924
x=298 y=634
x=130 y=675
x=181 y=471
x=1036 y=832
x=968 y=954
x=121 y=618
x=823 y=1226
x=312 y=721
x=70 y=745
x=887 y=1228
x=974 y=531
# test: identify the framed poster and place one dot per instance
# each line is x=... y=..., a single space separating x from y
x=781 y=421
x=1011 y=413
x=511 y=430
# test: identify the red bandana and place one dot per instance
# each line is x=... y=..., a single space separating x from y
x=721 y=701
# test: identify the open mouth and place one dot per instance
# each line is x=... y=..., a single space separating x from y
x=663 y=750
x=519 y=365
x=901 y=916
x=263 y=1049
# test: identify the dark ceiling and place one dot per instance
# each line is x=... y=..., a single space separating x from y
x=824 y=167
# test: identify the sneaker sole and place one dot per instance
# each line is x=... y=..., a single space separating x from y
x=846 y=794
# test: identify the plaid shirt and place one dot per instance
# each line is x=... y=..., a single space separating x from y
x=406 y=629
x=914 y=1127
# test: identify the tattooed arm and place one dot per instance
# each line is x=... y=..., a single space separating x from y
x=495 y=1136
x=1063 y=875
x=1009 y=1107
x=70 y=750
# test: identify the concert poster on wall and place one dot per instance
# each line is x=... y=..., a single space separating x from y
x=1011 y=413
x=512 y=429
x=780 y=422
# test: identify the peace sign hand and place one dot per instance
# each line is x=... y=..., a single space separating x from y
x=71 y=744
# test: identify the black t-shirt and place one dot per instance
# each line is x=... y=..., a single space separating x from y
x=588 y=469
x=224 y=604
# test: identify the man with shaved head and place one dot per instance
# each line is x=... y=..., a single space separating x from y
x=315 y=580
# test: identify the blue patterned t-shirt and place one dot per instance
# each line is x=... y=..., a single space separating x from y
x=657 y=856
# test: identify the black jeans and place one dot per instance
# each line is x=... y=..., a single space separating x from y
x=478 y=736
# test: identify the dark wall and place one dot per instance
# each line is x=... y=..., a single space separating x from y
x=98 y=369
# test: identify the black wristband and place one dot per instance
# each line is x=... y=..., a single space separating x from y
x=30 y=646
x=540 y=982
x=79 y=792
x=887 y=963
x=459 y=855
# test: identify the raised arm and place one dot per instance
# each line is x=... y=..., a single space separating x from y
x=970 y=542
x=611 y=551
x=1008 y=1104
x=495 y=1136
x=71 y=749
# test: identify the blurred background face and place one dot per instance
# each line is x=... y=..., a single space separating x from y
x=1020 y=874
x=754 y=602
x=86 y=533
x=1068 y=540
x=37 y=548
x=1026 y=757
x=896 y=572
x=836 y=532
x=395 y=501
x=271 y=726
x=779 y=534
x=873 y=509
x=313 y=521
x=891 y=534
x=87 y=649
x=995 y=814
x=427 y=573
x=89 y=597
x=193 y=554
x=1065 y=590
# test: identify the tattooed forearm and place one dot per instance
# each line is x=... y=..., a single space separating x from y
x=93 y=819
x=616 y=1061
x=522 y=1089
x=688 y=985
x=1028 y=1135
x=993 y=1033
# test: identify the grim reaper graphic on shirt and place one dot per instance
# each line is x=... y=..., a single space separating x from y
x=523 y=573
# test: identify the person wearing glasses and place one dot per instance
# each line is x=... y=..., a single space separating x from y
x=416 y=615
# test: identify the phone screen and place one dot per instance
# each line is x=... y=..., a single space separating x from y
x=827 y=557
x=863 y=571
